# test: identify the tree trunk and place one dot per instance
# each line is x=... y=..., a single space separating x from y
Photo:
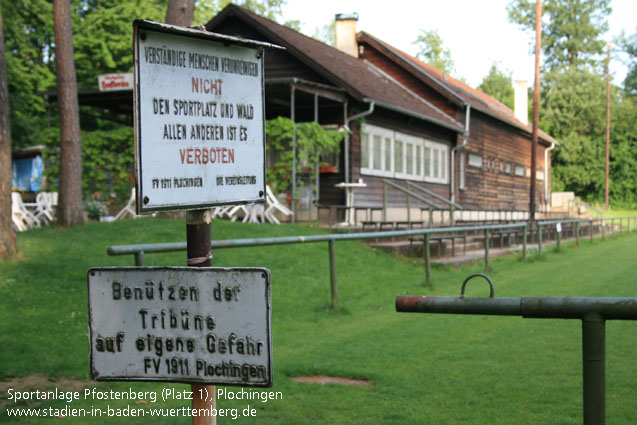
x=8 y=242
x=70 y=192
x=180 y=12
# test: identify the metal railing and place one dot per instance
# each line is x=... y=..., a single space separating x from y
x=593 y=223
x=411 y=194
x=573 y=202
x=140 y=250
x=593 y=312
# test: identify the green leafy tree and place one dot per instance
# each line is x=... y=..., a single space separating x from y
x=571 y=29
x=326 y=34
x=312 y=141
x=432 y=51
x=498 y=84
x=629 y=46
x=574 y=112
x=103 y=37
x=205 y=10
x=28 y=29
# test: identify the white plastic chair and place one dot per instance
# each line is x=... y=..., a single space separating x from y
x=129 y=208
x=254 y=212
x=21 y=216
x=44 y=207
x=273 y=205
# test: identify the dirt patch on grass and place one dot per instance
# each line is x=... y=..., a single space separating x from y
x=41 y=382
x=321 y=379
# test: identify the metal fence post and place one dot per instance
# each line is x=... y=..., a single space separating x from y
x=486 y=250
x=539 y=240
x=612 y=226
x=524 y=242
x=408 y=206
x=558 y=237
x=577 y=234
x=199 y=254
x=427 y=261
x=139 y=258
x=591 y=227
x=431 y=217
x=594 y=365
x=603 y=230
x=384 y=201
x=333 y=286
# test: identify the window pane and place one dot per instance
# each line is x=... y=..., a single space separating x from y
x=427 y=162
x=376 y=153
x=364 y=151
x=398 y=156
x=418 y=160
x=436 y=163
x=387 y=154
x=409 y=156
x=443 y=163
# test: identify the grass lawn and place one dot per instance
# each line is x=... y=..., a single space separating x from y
x=423 y=369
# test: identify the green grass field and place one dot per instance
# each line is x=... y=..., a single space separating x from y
x=423 y=369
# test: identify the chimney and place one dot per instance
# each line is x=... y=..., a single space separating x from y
x=346 y=33
x=521 y=100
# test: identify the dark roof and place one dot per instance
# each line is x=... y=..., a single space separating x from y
x=449 y=87
x=361 y=80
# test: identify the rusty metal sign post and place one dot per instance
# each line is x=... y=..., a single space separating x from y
x=593 y=312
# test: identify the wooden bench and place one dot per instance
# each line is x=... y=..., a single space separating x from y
x=441 y=238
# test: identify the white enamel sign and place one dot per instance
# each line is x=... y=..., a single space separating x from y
x=199 y=119
x=181 y=324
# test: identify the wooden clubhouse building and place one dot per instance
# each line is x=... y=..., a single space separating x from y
x=407 y=121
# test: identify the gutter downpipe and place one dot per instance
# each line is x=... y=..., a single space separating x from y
x=546 y=174
x=347 y=128
x=465 y=136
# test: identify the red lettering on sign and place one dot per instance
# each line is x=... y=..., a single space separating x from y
x=205 y=85
x=189 y=160
x=204 y=156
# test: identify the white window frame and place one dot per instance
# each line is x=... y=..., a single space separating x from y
x=383 y=133
x=406 y=139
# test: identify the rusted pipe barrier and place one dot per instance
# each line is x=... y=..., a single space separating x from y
x=593 y=312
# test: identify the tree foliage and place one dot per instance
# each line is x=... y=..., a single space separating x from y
x=432 y=51
x=28 y=30
x=573 y=99
x=107 y=161
x=207 y=9
x=498 y=84
x=312 y=141
x=326 y=34
x=571 y=29
x=629 y=46
x=103 y=35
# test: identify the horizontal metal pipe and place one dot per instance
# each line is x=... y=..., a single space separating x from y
x=147 y=247
x=230 y=243
x=528 y=307
x=458 y=305
x=579 y=307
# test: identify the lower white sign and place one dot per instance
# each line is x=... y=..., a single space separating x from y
x=181 y=324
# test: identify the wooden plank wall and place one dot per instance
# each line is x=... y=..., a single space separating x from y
x=489 y=188
x=408 y=80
